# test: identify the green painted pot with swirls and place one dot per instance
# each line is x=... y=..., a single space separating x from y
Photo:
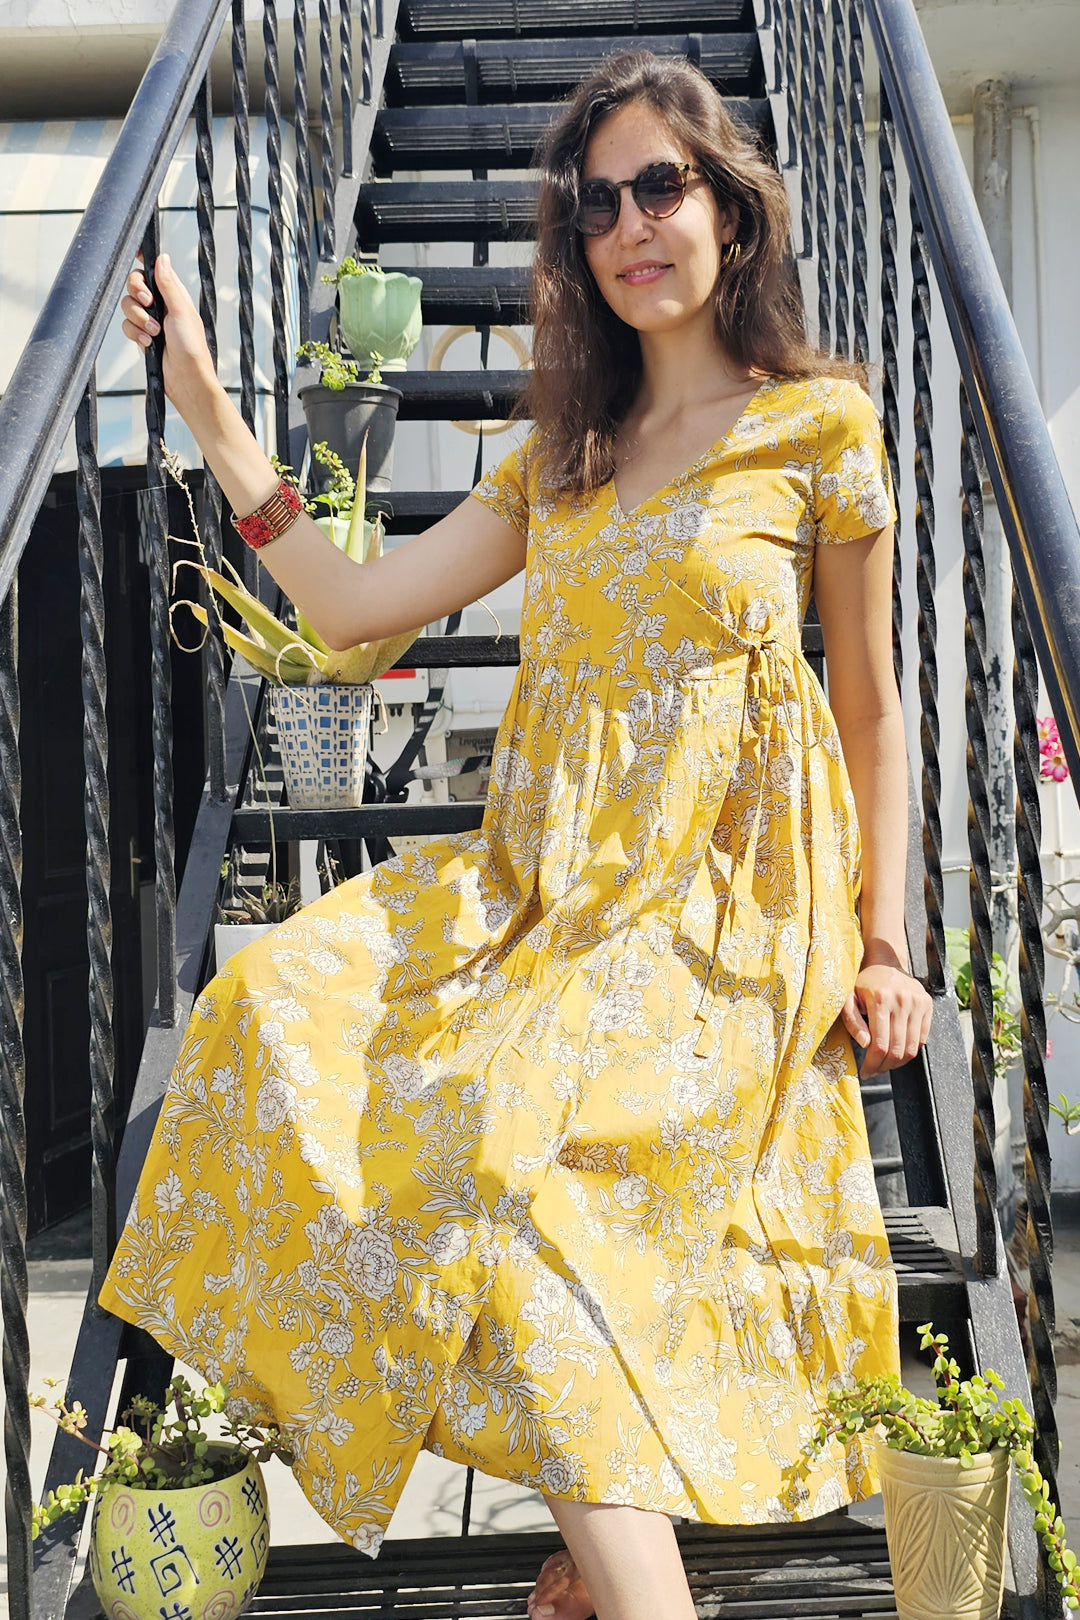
x=193 y=1554
x=379 y=314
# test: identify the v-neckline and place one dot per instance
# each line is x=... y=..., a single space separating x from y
x=678 y=478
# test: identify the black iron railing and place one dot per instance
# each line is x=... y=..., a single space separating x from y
x=1003 y=439
x=53 y=386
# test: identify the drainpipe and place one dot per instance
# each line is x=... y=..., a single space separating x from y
x=993 y=192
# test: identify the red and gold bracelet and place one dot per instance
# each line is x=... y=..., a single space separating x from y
x=270 y=520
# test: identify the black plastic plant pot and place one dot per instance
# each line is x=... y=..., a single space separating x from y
x=341 y=417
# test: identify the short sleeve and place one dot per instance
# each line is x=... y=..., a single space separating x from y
x=505 y=489
x=852 y=497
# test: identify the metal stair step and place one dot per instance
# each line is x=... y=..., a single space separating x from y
x=445 y=211
x=495 y=137
x=474 y=19
x=434 y=70
x=834 y=1566
x=470 y=295
x=447 y=396
x=413 y=511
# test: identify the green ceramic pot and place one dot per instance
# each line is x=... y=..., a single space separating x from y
x=199 y=1551
x=379 y=313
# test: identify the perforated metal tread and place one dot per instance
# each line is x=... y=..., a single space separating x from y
x=495 y=137
x=829 y=1567
x=434 y=70
x=473 y=19
x=929 y=1273
x=472 y=295
x=445 y=211
x=447 y=396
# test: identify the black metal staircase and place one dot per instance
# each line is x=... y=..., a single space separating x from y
x=468 y=85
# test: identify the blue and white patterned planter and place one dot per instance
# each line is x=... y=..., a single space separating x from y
x=323 y=739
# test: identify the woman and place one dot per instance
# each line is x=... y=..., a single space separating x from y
x=543 y=1148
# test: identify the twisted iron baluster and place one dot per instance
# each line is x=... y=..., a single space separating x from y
x=1040 y=1232
x=345 y=35
x=821 y=179
x=160 y=671
x=303 y=166
x=926 y=580
x=806 y=211
x=890 y=349
x=327 y=247
x=786 y=67
x=213 y=653
x=245 y=273
x=365 y=52
x=277 y=237
x=96 y=818
x=979 y=824
x=841 y=176
x=857 y=176
x=13 y=1136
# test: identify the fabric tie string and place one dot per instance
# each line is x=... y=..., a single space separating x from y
x=764 y=674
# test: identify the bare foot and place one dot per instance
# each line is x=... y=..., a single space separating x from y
x=559 y=1593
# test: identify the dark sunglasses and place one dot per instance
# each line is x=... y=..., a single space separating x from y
x=658 y=190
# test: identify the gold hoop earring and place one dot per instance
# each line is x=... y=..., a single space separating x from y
x=731 y=255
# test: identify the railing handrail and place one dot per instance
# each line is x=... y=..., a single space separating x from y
x=1037 y=515
x=50 y=378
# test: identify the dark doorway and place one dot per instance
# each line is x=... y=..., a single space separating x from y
x=56 y=960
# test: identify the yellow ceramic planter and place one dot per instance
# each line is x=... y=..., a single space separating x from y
x=946 y=1527
x=192 y=1554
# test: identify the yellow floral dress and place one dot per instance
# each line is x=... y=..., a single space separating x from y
x=542 y=1148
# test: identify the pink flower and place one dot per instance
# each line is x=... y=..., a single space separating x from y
x=1052 y=766
x=1049 y=1047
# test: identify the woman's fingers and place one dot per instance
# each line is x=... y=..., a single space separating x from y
x=854 y=1022
x=896 y=1011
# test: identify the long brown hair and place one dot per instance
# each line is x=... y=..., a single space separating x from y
x=586 y=361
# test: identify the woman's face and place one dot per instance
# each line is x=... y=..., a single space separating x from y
x=658 y=275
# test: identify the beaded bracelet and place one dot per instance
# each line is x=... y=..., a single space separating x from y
x=270 y=520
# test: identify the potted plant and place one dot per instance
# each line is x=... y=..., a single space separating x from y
x=378 y=312
x=1005 y=1031
x=180 y=1520
x=321 y=699
x=944 y=1469
x=346 y=413
x=245 y=916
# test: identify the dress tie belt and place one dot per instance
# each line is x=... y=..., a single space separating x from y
x=767 y=663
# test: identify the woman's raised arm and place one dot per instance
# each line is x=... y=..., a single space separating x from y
x=453 y=563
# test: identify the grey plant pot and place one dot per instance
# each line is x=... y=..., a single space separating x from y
x=342 y=416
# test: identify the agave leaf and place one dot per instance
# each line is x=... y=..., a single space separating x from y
x=369 y=660
x=356 y=541
x=309 y=634
x=373 y=533
x=284 y=668
x=266 y=630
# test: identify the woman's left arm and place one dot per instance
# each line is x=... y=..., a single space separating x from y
x=888 y=1012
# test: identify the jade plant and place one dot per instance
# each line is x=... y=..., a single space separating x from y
x=299 y=657
x=965 y=1417
x=337 y=370
x=152 y=1450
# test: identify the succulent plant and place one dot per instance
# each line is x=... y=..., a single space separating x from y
x=297 y=657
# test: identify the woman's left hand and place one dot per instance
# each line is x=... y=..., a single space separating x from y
x=887 y=1014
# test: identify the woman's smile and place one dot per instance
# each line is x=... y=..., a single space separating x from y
x=643 y=272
